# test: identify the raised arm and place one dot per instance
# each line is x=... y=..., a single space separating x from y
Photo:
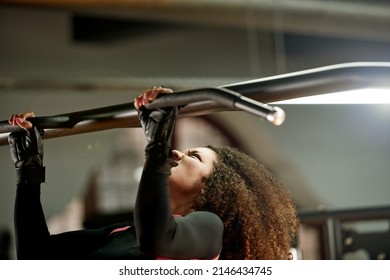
x=26 y=148
x=195 y=236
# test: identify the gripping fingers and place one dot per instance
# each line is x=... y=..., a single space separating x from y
x=149 y=95
x=21 y=120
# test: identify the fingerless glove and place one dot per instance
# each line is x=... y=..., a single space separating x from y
x=158 y=125
x=26 y=149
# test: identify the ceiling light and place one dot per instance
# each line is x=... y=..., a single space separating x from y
x=359 y=96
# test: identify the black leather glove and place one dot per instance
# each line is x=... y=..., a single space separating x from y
x=26 y=148
x=158 y=125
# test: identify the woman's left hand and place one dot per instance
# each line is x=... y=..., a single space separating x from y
x=149 y=95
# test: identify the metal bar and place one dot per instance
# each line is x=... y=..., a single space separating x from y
x=330 y=222
x=338 y=238
x=322 y=80
x=330 y=244
x=358 y=214
x=249 y=96
x=116 y=116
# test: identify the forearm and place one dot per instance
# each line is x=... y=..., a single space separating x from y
x=197 y=235
x=31 y=232
x=153 y=216
x=33 y=240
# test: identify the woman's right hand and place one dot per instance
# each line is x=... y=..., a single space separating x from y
x=21 y=120
x=158 y=124
x=149 y=95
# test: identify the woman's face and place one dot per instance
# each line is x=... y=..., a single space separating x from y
x=193 y=166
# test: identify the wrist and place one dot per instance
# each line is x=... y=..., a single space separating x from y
x=30 y=175
x=158 y=150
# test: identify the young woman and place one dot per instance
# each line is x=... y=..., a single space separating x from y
x=202 y=203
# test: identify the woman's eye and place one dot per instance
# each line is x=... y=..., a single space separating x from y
x=196 y=155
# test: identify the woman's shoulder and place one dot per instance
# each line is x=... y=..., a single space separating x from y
x=203 y=218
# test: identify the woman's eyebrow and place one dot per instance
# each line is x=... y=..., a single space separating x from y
x=196 y=153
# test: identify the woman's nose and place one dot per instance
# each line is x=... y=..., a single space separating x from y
x=177 y=155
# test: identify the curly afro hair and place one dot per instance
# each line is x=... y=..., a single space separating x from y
x=258 y=213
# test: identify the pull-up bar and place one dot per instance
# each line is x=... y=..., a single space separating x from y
x=248 y=96
x=123 y=115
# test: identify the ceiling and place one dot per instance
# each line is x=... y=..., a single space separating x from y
x=280 y=36
x=357 y=19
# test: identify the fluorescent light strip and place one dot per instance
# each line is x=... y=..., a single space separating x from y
x=360 y=96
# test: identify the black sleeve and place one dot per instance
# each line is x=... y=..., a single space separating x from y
x=31 y=232
x=195 y=236
x=33 y=240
